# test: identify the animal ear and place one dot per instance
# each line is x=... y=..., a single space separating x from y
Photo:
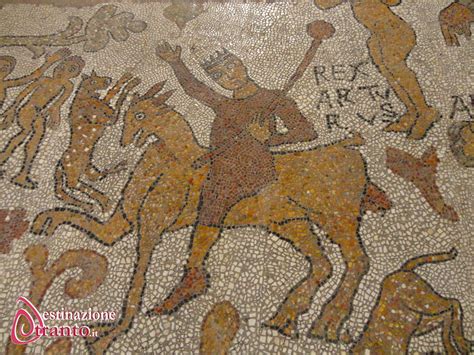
x=155 y=89
x=93 y=73
x=160 y=100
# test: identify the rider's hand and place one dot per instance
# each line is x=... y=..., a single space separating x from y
x=167 y=53
x=259 y=128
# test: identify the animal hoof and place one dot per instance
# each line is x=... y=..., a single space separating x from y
x=324 y=331
x=288 y=328
x=194 y=283
x=25 y=182
x=42 y=225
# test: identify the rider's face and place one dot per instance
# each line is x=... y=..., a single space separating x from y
x=230 y=74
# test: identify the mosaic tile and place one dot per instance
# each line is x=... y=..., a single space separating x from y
x=236 y=176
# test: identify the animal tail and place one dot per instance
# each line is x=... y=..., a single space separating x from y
x=412 y=264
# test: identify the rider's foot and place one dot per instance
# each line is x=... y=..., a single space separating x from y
x=194 y=283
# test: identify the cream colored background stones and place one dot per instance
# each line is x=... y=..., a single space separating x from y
x=248 y=267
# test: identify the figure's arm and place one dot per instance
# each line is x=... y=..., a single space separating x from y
x=328 y=4
x=50 y=60
x=192 y=86
x=55 y=109
x=299 y=128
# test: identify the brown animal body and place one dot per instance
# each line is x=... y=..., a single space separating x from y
x=408 y=306
x=90 y=116
x=455 y=20
x=163 y=192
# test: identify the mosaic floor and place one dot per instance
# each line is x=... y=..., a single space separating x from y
x=236 y=177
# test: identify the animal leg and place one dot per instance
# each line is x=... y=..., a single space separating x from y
x=299 y=299
x=161 y=207
x=61 y=193
x=431 y=305
x=344 y=232
x=107 y=233
x=95 y=195
x=93 y=173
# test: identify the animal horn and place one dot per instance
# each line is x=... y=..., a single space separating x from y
x=155 y=89
x=163 y=97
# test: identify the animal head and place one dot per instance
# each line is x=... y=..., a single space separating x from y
x=461 y=137
x=93 y=83
x=69 y=68
x=148 y=115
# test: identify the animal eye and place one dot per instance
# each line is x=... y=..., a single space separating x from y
x=140 y=115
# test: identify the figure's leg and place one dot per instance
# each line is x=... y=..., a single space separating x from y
x=344 y=232
x=195 y=280
x=409 y=118
x=394 y=57
x=31 y=150
x=298 y=300
x=161 y=208
x=60 y=183
x=107 y=232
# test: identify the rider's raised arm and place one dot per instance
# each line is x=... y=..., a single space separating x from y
x=193 y=87
x=299 y=128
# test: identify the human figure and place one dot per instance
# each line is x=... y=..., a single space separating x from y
x=36 y=107
x=240 y=161
x=390 y=43
x=7 y=65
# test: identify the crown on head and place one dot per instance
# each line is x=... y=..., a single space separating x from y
x=217 y=58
